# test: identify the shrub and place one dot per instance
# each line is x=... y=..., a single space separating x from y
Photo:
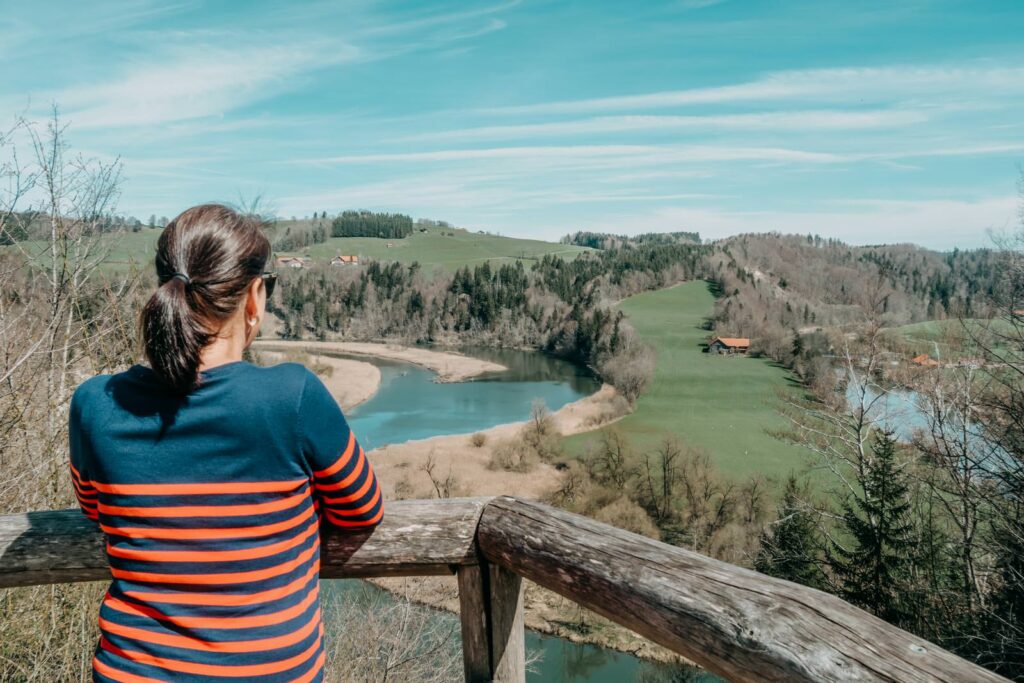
x=626 y=514
x=478 y=440
x=630 y=371
x=541 y=434
x=514 y=455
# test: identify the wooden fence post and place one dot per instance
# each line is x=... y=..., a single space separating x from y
x=493 y=635
x=476 y=651
x=508 y=634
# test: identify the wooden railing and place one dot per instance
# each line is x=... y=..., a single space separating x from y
x=737 y=623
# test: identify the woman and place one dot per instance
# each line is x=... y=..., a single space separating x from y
x=210 y=476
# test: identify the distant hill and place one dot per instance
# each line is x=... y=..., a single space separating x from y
x=448 y=248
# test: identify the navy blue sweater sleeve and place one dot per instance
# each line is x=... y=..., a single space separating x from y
x=78 y=444
x=344 y=483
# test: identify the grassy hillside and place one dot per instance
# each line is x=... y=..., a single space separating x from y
x=950 y=340
x=432 y=249
x=721 y=404
x=126 y=249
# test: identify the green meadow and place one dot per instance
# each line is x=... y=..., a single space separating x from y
x=451 y=250
x=724 y=405
x=126 y=250
x=950 y=340
x=432 y=249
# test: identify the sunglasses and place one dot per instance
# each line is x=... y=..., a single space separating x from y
x=269 y=280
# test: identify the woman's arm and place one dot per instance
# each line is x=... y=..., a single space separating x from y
x=343 y=480
x=79 y=458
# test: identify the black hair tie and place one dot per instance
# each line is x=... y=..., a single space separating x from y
x=181 y=276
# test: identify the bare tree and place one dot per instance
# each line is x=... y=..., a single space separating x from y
x=63 y=317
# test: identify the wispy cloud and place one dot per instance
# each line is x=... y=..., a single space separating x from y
x=697 y=4
x=636 y=153
x=431 y=19
x=780 y=121
x=870 y=84
x=193 y=82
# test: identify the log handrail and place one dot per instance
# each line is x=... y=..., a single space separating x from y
x=734 y=622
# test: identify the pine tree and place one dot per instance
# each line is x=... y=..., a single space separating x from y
x=790 y=549
x=873 y=569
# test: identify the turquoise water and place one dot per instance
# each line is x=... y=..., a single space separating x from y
x=410 y=405
x=567 y=662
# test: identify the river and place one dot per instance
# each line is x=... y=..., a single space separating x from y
x=409 y=405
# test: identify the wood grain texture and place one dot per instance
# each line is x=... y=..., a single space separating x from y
x=507 y=632
x=476 y=650
x=415 y=538
x=735 y=622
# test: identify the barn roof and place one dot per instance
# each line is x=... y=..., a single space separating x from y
x=734 y=342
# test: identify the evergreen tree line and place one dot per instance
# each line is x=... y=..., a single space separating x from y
x=600 y=240
x=371 y=224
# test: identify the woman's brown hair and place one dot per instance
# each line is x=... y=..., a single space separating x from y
x=205 y=259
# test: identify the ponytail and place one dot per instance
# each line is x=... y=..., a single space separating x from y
x=206 y=257
x=173 y=336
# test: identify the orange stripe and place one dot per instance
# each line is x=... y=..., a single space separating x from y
x=76 y=474
x=353 y=475
x=219 y=533
x=216 y=622
x=341 y=461
x=337 y=521
x=199 y=489
x=206 y=510
x=370 y=481
x=222 y=599
x=240 y=671
x=311 y=674
x=222 y=646
x=211 y=555
x=355 y=512
x=219 y=579
x=121 y=676
x=83 y=490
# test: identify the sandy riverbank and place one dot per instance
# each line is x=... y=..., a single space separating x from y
x=449 y=365
x=399 y=466
x=350 y=382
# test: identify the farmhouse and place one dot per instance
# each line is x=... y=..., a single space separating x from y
x=925 y=361
x=293 y=261
x=729 y=345
x=344 y=260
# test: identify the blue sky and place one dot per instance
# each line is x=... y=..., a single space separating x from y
x=868 y=121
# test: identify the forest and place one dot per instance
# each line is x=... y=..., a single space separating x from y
x=557 y=305
x=370 y=224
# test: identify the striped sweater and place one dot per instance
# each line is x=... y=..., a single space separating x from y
x=211 y=506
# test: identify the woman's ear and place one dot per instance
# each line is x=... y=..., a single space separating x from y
x=255 y=301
